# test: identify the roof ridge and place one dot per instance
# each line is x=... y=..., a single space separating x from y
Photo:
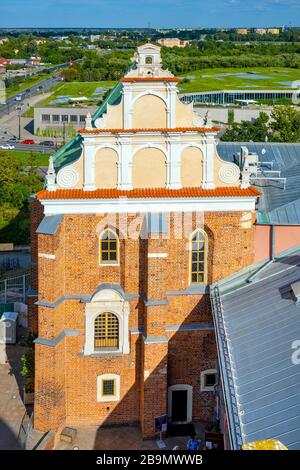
x=154 y=129
x=137 y=193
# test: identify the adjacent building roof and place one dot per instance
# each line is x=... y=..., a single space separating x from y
x=147 y=193
x=49 y=224
x=72 y=150
x=280 y=203
x=257 y=325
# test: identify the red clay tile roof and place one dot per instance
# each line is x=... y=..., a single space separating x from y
x=147 y=193
x=161 y=130
x=149 y=79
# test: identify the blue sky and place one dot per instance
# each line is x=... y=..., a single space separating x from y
x=157 y=13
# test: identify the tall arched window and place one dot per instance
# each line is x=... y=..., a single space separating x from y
x=109 y=248
x=106 y=331
x=198 y=257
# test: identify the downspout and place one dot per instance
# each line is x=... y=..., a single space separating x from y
x=272 y=256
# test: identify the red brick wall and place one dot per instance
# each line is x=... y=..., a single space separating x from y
x=36 y=215
x=66 y=380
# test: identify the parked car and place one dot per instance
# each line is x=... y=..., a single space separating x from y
x=12 y=139
x=28 y=141
x=48 y=143
x=7 y=147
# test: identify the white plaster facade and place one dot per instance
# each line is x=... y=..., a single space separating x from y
x=115 y=130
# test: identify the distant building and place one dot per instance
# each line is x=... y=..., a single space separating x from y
x=4 y=61
x=35 y=60
x=173 y=42
x=88 y=47
x=3 y=40
x=55 y=117
x=242 y=31
x=18 y=61
x=260 y=31
x=95 y=37
x=39 y=42
x=275 y=31
x=60 y=38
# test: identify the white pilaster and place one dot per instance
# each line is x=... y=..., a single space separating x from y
x=125 y=165
x=172 y=96
x=127 y=107
x=89 y=166
x=174 y=165
x=208 y=164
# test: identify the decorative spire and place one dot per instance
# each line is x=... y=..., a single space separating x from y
x=51 y=176
x=88 y=122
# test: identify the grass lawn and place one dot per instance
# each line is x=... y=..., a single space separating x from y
x=29 y=113
x=26 y=83
x=210 y=79
x=75 y=90
x=40 y=159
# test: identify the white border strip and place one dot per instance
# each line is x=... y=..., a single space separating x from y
x=125 y=205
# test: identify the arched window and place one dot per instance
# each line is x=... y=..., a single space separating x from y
x=109 y=248
x=198 y=255
x=106 y=331
x=149 y=60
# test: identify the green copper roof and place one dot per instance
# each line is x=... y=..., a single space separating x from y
x=72 y=150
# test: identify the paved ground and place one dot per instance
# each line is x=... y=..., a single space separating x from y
x=121 y=438
x=221 y=113
x=10 y=122
x=12 y=408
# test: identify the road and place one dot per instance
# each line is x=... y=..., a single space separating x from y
x=30 y=91
x=34 y=89
x=29 y=147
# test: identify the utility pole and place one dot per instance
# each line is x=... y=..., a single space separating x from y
x=19 y=109
x=64 y=133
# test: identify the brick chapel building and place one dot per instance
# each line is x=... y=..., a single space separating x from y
x=138 y=217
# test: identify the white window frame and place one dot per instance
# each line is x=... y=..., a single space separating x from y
x=203 y=387
x=114 y=263
x=106 y=398
x=205 y=257
x=107 y=300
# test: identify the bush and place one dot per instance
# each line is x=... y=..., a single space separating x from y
x=29 y=386
x=28 y=364
x=28 y=341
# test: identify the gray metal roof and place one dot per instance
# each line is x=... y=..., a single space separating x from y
x=277 y=205
x=256 y=325
x=49 y=224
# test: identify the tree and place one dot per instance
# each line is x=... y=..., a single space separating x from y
x=230 y=117
x=17 y=183
x=285 y=124
x=256 y=131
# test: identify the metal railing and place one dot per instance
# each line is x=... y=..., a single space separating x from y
x=26 y=428
x=14 y=289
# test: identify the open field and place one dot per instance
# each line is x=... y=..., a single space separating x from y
x=76 y=90
x=39 y=159
x=256 y=78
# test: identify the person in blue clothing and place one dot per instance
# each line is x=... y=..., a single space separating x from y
x=193 y=443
